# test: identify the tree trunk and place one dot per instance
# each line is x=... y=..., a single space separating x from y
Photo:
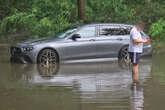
x=81 y=10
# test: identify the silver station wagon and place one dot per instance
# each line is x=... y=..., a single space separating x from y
x=80 y=43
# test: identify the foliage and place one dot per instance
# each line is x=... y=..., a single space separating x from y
x=43 y=17
x=17 y=21
x=108 y=11
x=158 y=30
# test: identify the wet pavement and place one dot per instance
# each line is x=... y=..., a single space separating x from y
x=81 y=86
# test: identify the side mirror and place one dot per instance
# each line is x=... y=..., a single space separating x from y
x=75 y=36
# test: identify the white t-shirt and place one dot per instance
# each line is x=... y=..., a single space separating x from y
x=135 y=34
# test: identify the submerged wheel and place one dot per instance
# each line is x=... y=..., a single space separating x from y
x=123 y=54
x=48 y=71
x=47 y=57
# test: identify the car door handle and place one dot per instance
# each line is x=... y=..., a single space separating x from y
x=119 y=39
x=92 y=40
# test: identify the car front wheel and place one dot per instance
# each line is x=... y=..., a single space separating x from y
x=47 y=57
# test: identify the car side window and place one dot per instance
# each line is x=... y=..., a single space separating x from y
x=110 y=31
x=86 y=32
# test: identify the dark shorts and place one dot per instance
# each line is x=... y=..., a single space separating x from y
x=135 y=57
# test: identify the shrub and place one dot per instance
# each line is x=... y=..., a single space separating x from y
x=157 y=30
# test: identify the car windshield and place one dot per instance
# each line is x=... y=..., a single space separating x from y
x=65 y=33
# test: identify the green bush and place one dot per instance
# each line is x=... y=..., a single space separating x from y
x=42 y=19
x=17 y=21
x=157 y=30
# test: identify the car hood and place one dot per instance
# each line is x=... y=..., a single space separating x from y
x=38 y=41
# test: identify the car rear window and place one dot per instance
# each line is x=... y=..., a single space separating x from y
x=108 y=31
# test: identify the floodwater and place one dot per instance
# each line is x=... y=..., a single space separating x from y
x=81 y=86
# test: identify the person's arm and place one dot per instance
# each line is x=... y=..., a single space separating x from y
x=135 y=38
x=135 y=41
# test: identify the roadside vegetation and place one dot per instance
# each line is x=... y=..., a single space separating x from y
x=40 y=18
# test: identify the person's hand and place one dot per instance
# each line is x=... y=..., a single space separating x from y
x=148 y=38
x=144 y=41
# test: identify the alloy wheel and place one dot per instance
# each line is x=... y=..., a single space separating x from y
x=124 y=55
x=47 y=57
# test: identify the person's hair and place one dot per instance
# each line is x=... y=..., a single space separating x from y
x=140 y=23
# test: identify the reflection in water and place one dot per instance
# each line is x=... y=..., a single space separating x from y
x=48 y=70
x=137 y=97
x=111 y=69
x=94 y=86
x=106 y=85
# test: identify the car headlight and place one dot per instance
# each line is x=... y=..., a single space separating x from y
x=27 y=49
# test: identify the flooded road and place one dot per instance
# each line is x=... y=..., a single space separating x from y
x=81 y=86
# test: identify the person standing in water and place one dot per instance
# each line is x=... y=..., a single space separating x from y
x=136 y=48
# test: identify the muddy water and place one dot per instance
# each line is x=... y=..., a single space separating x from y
x=94 y=86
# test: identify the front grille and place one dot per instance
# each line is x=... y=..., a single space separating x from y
x=15 y=51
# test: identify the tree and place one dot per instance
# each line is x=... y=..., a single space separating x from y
x=81 y=10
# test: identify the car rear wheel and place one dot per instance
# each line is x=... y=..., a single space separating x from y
x=48 y=57
x=123 y=54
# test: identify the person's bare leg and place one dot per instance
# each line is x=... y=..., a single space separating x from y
x=135 y=73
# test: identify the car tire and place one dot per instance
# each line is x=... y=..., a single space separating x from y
x=47 y=57
x=123 y=54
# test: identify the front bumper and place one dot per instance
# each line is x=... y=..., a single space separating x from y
x=18 y=56
x=20 y=59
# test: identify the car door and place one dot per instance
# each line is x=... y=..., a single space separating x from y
x=83 y=47
x=110 y=41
